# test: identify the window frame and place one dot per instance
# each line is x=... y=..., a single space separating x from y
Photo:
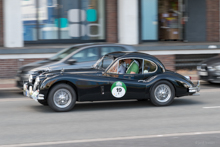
x=151 y=62
x=117 y=60
x=59 y=39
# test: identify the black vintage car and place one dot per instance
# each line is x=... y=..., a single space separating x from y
x=61 y=90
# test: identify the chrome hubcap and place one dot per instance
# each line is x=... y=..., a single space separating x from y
x=162 y=93
x=62 y=98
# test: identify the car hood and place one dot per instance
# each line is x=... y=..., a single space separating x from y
x=86 y=71
x=211 y=61
x=37 y=64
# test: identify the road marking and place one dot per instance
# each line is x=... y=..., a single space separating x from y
x=213 y=107
x=111 y=139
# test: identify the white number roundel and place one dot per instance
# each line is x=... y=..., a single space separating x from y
x=118 y=92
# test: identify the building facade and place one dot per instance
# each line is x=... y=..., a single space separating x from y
x=35 y=22
x=54 y=21
x=123 y=21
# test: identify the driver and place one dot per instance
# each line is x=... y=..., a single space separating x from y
x=133 y=67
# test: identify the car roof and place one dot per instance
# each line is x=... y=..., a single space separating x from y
x=127 y=54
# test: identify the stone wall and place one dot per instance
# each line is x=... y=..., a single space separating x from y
x=212 y=20
x=111 y=21
x=1 y=23
x=9 y=67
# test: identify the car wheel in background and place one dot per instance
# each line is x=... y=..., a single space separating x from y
x=62 y=97
x=162 y=93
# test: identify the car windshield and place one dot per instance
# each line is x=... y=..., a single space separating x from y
x=63 y=53
x=103 y=63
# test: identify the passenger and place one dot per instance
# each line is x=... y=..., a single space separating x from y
x=133 y=66
x=122 y=68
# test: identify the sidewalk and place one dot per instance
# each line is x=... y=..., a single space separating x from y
x=9 y=84
x=149 y=46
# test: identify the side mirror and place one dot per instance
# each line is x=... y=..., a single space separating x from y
x=71 y=61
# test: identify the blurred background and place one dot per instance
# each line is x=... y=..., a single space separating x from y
x=181 y=33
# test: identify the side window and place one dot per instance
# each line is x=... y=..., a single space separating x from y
x=108 y=49
x=113 y=68
x=107 y=62
x=90 y=54
x=149 y=67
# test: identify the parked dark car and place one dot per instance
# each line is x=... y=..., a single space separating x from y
x=74 y=57
x=209 y=70
x=61 y=90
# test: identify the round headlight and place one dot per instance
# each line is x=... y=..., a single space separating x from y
x=30 y=78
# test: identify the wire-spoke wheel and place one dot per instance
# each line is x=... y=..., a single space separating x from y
x=62 y=98
x=162 y=93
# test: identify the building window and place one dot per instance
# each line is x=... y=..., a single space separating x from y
x=63 y=20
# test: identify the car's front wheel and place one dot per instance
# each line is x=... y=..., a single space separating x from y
x=62 y=97
x=162 y=93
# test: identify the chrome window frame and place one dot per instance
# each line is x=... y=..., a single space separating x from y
x=111 y=66
x=151 y=62
x=117 y=60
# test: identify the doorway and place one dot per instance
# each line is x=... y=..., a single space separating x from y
x=161 y=20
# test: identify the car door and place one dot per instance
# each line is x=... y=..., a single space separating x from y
x=125 y=86
x=84 y=58
x=131 y=86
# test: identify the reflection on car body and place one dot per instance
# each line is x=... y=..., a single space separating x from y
x=61 y=90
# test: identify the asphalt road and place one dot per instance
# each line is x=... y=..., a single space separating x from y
x=189 y=122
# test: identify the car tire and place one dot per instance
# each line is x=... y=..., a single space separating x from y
x=43 y=102
x=62 y=98
x=162 y=93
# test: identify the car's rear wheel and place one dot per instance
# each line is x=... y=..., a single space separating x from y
x=62 y=97
x=43 y=102
x=162 y=93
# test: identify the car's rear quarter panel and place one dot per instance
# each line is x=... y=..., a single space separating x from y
x=176 y=80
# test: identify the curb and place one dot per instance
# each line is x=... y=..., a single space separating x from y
x=10 y=89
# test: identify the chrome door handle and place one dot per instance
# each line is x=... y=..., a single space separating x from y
x=141 y=80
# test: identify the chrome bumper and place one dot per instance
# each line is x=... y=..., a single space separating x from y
x=32 y=94
x=195 y=89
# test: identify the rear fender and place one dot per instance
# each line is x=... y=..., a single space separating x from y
x=178 y=83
